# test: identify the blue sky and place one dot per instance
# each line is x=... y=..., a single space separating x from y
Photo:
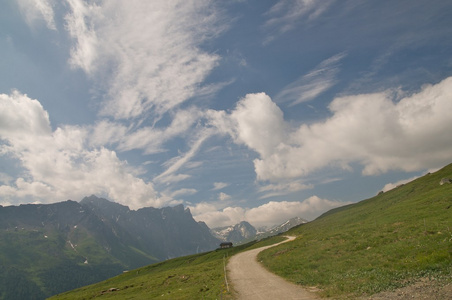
x=240 y=110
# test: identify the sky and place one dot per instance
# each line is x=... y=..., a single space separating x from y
x=240 y=110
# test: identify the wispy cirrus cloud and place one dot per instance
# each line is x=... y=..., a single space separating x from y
x=174 y=165
x=34 y=10
x=312 y=84
x=284 y=15
x=280 y=189
x=147 y=58
x=183 y=192
x=147 y=55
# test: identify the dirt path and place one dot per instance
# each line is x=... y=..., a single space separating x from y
x=252 y=281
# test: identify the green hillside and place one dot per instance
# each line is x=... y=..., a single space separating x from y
x=199 y=276
x=382 y=243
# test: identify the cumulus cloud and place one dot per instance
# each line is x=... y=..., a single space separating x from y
x=273 y=213
x=378 y=131
x=269 y=214
x=20 y=114
x=311 y=85
x=150 y=51
x=59 y=164
x=34 y=10
x=258 y=123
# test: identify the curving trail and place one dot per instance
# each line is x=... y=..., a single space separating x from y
x=252 y=281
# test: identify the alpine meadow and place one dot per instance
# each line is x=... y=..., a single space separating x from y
x=395 y=239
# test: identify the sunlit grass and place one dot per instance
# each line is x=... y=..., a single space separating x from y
x=379 y=244
x=198 y=276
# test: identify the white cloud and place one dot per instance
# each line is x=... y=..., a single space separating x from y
x=151 y=139
x=269 y=214
x=84 y=54
x=258 y=123
x=20 y=114
x=150 y=51
x=285 y=14
x=280 y=189
x=34 y=10
x=182 y=192
x=219 y=185
x=178 y=162
x=274 y=213
x=392 y=185
x=217 y=218
x=105 y=132
x=223 y=196
x=370 y=129
x=59 y=164
x=311 y=85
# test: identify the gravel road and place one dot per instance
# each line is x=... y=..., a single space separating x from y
x=252 y=281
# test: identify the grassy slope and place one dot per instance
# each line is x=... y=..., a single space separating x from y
x=381 y=243
x=198 y=276
x=43 y=260
x=378 y=244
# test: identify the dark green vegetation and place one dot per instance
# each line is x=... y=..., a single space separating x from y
x=34 y=266
x=49 y=249
x=38 y=260
x=198 y=276
x=382 y=243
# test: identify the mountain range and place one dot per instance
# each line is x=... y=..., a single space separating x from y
x=395 y=245
x=46 y=249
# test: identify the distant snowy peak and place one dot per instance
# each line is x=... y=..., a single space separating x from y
x=235 y=233
x=244 y=231
x=287 y=225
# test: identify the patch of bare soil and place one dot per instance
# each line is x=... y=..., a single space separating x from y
x=423 y=289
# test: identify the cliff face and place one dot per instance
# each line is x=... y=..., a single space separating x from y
x=163 y=233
